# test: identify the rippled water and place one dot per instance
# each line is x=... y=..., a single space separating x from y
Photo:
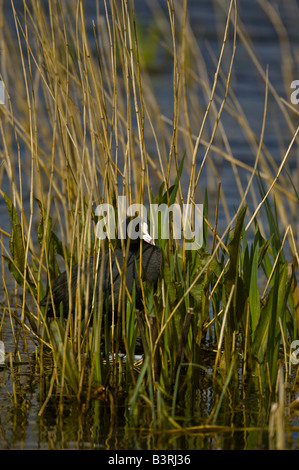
x=104 y=422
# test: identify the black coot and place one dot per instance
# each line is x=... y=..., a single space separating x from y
x=151 y=264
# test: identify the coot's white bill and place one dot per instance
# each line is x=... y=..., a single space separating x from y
x=145 y=235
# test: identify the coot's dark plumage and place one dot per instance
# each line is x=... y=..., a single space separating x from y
x=151 y=264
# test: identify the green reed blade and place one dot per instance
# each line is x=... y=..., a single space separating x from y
x=64 y=354
x=254 y=296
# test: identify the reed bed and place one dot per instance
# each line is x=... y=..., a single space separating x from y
x=82 y=126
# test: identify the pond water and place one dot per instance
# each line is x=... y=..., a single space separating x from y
x=103 y=422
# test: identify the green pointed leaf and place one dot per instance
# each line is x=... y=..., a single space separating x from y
x=254 y=296
x=170 y=284
x=232 y=276
x=234 y=249
x=16 y=264
x=53 y=244
x=196 y=292
x=16 y=240
x=261 y=331
x=64 y=354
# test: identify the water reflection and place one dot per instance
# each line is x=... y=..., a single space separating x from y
x=104 y=421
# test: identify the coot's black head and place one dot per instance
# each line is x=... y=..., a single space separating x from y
x=135 y=229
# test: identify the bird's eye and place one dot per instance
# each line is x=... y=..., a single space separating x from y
x=137 y=228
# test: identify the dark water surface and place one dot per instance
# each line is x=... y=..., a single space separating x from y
x=103 y=424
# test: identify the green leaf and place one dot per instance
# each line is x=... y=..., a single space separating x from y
x=170 y=195
x=16 y=240
x=169 y=281
x=205 y=217
x=196 y=292
x=267 y=336
x=272 y=222
x=234 y=249
x=16 y=264
x=254 y=296
x=261 y=331
x=52 y=243
x=130 y=324
x=282 y=289
x=64 y=353
x=263 y=250
x=232 y=274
